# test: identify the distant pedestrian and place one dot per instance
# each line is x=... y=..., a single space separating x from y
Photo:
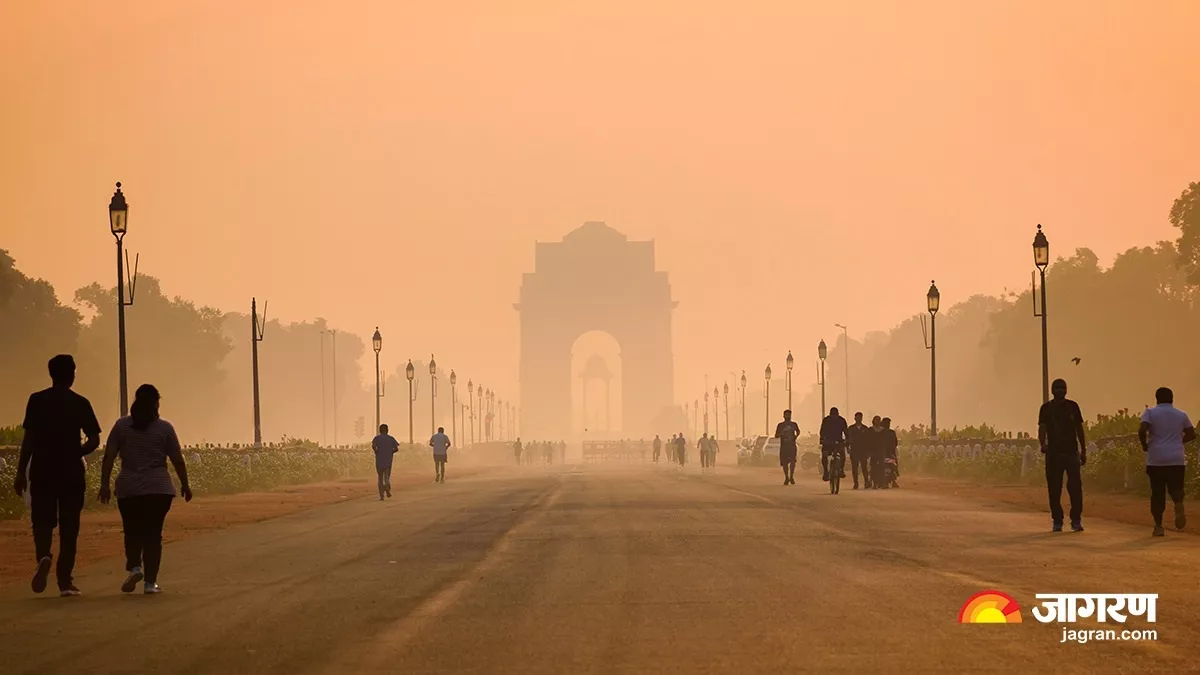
x=681 y=450
x=52 y=455
x=1060 y=434
x=874 y=449
x=440 y=443
x=889 y=467
x=517 y=451
x=657 y=448
x=860 y=454
x=702 y=448
x=144 y=442
x=1163 y=432
x=385 y=447
x=787 y=432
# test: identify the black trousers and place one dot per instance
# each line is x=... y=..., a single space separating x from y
x=1164 y=479
x=142 y=518
x=859 y=461
x=57 y=504
x=1056 y=466
x=384 y=472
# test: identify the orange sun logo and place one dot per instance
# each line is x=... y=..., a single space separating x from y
x=990 y=607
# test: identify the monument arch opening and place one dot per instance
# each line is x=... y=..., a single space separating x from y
x=597 y=385
x=595 y=279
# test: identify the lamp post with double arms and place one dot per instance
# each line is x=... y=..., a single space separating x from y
x=118 y=222
x=1041 y=259
x=411 y=373
x=767 y=393
x=933 y=301
x=822 y=352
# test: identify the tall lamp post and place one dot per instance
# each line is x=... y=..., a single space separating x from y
x=333 y=353
x=696 y=417
x=933 y=300
x=1041 y=258
x=453 y=404
x=743 y=404
x=767 y=393
x=717 y=414
x=728 y=432
x=118 y=222
x=471 y=408
x=410 y=372
x=256 y=336
x=846 y=360
x=481 y=414
x=706 y=410
x=432 y=396
x=377 y=345
x=491 y=413
x=790 y=362
x=822 y=352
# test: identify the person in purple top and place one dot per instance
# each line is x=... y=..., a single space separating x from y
x=384 y=446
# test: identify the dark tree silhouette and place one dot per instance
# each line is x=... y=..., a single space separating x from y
x=1185 y=214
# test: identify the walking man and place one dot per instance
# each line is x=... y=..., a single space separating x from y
x=55 y=418
x=1163 y=432
x=833 y=435
x=860 y=454
x=384 y=447
x=1060 y=433
x=440 y=443
x=517 y=451
x=702 y=447
x=681 y=449
x=657 y=447
x=787 y=432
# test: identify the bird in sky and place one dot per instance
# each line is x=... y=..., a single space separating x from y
x=1076 y=360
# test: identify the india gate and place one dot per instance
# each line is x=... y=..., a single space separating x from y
x=595 y=279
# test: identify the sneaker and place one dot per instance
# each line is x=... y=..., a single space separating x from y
x=1056 y=527
x=825 y=477
x=1180 y=518
x=152 y=589
x=41 y=575
x=380 y=497
x=786 y=481
x=131 y=581
x=389 y=493
x=69 y=591
x=1158 y=531
x=855 y=486
x=1076 y=526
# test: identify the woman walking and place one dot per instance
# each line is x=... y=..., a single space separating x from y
x=144 y=442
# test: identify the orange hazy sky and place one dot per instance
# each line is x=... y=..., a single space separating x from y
x=797 y=163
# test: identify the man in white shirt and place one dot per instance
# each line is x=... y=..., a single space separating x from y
x=1163 y=432
x=440 y=443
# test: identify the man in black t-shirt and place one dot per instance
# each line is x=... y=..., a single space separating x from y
x=55 y=420
x=787 y=431
x=833 y=436
x=1060 y=431
x=860 y=450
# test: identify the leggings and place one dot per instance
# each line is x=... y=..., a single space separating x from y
x=1164 y=479
x=142 y=518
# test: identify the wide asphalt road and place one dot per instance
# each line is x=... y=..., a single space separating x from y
x=597 y=569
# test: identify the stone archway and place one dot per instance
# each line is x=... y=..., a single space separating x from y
x=594 y=279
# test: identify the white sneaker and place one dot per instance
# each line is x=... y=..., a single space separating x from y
x=152 y=589
x=131 y=581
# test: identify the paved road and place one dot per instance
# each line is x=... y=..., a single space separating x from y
x=596 y=570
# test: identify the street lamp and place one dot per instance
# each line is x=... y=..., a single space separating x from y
x=706 y=411
x=788 y=374
x=118 y=222
x=933 y=301
x=377 y=345
x=846 y=361
x=743 y=404
x=1041 y=259
x=410 y=373
x=822 y=352
x=491 y=412
x=727 y=431
x=432 y=396
x=767 y=393
x=453 y=404
x=256 y=336
x=481 y=415
x=717 y=414
x=471 y=408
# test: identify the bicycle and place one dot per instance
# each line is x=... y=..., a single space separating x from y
x=837 y=467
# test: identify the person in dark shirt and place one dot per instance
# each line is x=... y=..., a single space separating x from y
x=55 y=420
x=787 y=431
x=860 y=450
x=1060 y=432
x=681 y=449
x=875 y=450
x=889 y=444
x=833 y=436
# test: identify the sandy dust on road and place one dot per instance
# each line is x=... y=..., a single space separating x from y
x=100 y=534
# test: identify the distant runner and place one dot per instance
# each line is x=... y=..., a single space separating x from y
x=1163 y=432
x=440 y=443
x=657 y=448
x=384 y=447
x=787 y=431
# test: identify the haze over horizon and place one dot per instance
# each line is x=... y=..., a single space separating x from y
x=798 y=165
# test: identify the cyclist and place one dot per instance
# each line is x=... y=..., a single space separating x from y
x=833 y=437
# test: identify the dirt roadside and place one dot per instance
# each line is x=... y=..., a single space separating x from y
x=100 y=534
